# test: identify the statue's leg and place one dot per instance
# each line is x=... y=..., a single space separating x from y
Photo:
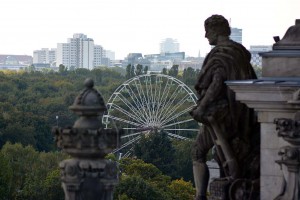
x=200 y=149
x=201 y=178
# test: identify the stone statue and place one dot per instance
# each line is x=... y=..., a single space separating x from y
x=227 y=125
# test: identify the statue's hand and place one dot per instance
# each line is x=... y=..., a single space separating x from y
x=198 y=114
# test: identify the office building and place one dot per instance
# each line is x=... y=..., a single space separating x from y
x=256 y=59
x=98 y=55
x=44 y=56
x=237 y=35
x=169 y=45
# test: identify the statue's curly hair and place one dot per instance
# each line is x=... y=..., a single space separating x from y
x=219 y=24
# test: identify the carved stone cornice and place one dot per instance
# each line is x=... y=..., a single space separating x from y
x=86 y=143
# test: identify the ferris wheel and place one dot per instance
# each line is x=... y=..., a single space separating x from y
x=151 y=103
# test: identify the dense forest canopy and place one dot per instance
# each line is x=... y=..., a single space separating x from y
x=31 y=101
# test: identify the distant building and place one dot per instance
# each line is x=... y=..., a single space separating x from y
x=175 y=56
x=15 y=62
x=256 y=59
x=169 y=45
x=237 y=35
x=45 y=56
x=164 y=60
x=78 y=52
x=195 y=63
x=98 y=55
x=109 y=56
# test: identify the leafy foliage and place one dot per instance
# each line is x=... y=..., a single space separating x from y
x=141 y=181
x=157 y=149
x=30 y=102
x=28 y=174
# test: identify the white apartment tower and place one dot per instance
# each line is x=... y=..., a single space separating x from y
x=45 y=56
x=169 y=45
x=78 y=52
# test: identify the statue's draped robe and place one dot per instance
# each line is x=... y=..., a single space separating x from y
x=229 y=61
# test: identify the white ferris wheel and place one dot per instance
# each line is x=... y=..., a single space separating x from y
x=151 y=103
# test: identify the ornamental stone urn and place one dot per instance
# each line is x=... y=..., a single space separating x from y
x=87 y=175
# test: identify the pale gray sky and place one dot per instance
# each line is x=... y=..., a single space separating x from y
x=128 y=26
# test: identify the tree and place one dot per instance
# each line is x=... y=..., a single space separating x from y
x=132 y=71
x=6 y=174
x=182 y=190
x=157 y=149
x=128 y=71
x=174 y=71
x=189 y=76
x=183 y=159
x=146 y=68
x=33 y=175
x=62 y=69
x=139 y=70
x=164 y=71
x=137 y=188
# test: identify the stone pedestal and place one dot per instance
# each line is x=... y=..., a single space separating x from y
x=87 y=175
x=270 y=98
x=276 y=98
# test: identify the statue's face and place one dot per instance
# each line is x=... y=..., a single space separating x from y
x=211 y=36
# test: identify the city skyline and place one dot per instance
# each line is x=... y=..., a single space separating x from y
x=137 y=26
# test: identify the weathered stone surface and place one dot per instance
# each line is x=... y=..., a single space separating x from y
x=228 y=125
x=281 y=66
x=88 y=175
x=276 y=98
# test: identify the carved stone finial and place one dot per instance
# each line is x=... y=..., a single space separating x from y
x=88 y=175
x=291 y=39
x=89 y=83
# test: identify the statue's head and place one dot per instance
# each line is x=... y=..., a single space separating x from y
x=215 y=26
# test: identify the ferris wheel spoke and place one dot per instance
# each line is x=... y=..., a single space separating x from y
x=128 y=153
x=165 y=93
x=178 y=105
x=176 y=123
x=132 y=115
x=133 y=134
x=171 y=109
x=181 y=129
x=177 y=115
x=123 y=120
x=126 y=144
x=176 y=136
x=144 y=98
x=166 y=104
x=131 y=107
x=139 y=103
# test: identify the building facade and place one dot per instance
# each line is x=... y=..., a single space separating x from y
x=256 y=59
x=78 y=52
x=169 y=45
x=237 y=35
x=98 y=55
x=45 y=56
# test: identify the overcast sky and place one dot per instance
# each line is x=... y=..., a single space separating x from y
x=137 y=26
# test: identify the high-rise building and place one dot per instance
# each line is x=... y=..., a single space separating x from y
x=98 y=55
x=236 y=35
x=45 y=56
x=169 y=45
x=256 y=59
x=78 y=52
